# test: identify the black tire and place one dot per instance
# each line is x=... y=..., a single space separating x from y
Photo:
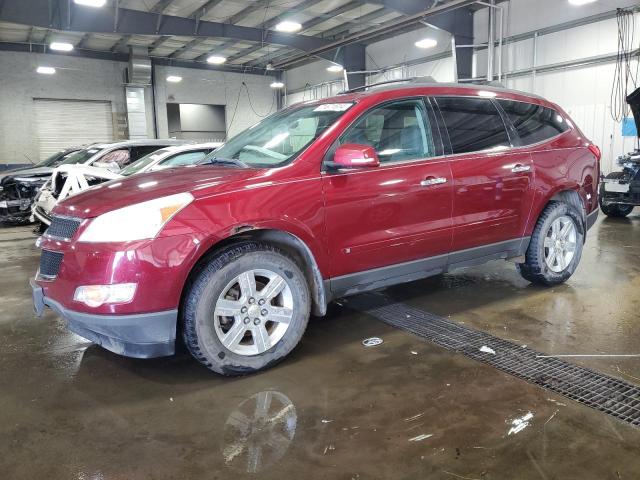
x=616 y=210
x=198 y=329
x=535 y=269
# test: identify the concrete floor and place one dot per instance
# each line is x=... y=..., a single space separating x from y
x=335 y=409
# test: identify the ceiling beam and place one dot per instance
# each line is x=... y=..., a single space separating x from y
x=202 y=10
x=159 y=42
x=134 y=22
x=188 y=46
x=245 y=12
x=388 y=27
x=121 y=43
x=364 y=21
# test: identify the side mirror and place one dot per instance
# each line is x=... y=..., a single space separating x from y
x=353 y=155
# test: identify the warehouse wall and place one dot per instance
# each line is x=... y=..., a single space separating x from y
x=75 y=78
x=216 y=88
x=585 y=92
x=89 y=79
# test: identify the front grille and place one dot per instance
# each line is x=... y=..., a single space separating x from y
x=63 y=227
x=50 y=263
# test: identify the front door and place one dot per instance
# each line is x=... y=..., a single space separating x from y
x=394 y=220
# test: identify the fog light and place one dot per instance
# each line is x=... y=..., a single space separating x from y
x=96 y=295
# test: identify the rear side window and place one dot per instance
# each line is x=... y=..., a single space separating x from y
x=473 y=124
x=534 y=123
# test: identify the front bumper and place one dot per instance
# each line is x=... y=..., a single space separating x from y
x=15 y=210
x=145 y=335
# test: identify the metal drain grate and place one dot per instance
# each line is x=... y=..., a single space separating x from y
x=596 y=390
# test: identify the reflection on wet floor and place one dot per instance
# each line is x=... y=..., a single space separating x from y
x=259 y=432
x=335 y=409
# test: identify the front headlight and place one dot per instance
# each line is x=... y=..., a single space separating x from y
x=136 y=222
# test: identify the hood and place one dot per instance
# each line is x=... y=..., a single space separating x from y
x=200 y=181
x=28 y=172
x=634 y=102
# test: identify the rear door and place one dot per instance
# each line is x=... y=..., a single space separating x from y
x=492 y=188
x=379 y=218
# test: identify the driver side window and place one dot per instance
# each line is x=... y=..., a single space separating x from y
x=398 y=131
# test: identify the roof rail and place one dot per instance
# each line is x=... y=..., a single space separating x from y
x=416 y=80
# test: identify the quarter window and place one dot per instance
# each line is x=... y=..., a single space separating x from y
x=397 y=131
x=473 y=124
x=534 y=123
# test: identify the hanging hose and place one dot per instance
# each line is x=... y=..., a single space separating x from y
x=624 y=77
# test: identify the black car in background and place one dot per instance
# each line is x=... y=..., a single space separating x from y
x=18 y=187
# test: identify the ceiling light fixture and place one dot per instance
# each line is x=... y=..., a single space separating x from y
x=335 y=68
x=91 y=3
x=288 y=26
x=580 y=2
x=61 y=46
x=174 y=79
x=426 y=43
x=276 y=85
x=216 y=60
x=46 y=70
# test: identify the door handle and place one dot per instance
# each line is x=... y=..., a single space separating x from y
x=431 y=181
x=521 y=168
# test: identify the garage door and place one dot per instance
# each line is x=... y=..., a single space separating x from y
x=66 y=123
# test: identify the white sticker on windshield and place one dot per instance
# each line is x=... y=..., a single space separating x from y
x=332 y=107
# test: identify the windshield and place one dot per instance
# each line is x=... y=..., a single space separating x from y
x=144 y=162
x=81 y=156
x=280 y=137
x=54 y=160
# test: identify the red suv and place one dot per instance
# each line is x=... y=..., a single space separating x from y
x=321 y=200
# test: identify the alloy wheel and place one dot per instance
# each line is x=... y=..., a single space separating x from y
x=253 y=312
x=560 y=244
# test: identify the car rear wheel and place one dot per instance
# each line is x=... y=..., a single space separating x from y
x=616 y=210
x=556 y=246
x=246 y=309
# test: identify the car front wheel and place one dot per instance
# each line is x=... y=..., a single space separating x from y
x=556 y=245
x=246 y=309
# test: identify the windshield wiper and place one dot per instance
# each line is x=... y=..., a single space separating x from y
x=228 y=161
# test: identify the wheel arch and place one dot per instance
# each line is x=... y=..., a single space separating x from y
x=569 y=194
x=286 y=241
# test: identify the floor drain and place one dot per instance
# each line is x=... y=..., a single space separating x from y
x=596 y=390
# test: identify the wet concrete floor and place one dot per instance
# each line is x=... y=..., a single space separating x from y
x=334 y=409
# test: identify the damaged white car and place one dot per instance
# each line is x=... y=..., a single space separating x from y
x=69 y=179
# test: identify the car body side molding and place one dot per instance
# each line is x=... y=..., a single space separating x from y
x=359 y=282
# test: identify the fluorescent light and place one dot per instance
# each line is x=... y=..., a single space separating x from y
x=335 y=68
x=91 y=3
x=426 y=43
x=276 y=85
x=580 y=2
x=216 y=59
x=46 y=70
x=486 y=93
x=288 y=26
x=61 y=46
x=174 y=79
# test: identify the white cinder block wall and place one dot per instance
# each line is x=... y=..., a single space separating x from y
x=216 y=88
x=75 y=79
x=89 y=79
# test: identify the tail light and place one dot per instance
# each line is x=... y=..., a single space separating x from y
x=596 y=151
